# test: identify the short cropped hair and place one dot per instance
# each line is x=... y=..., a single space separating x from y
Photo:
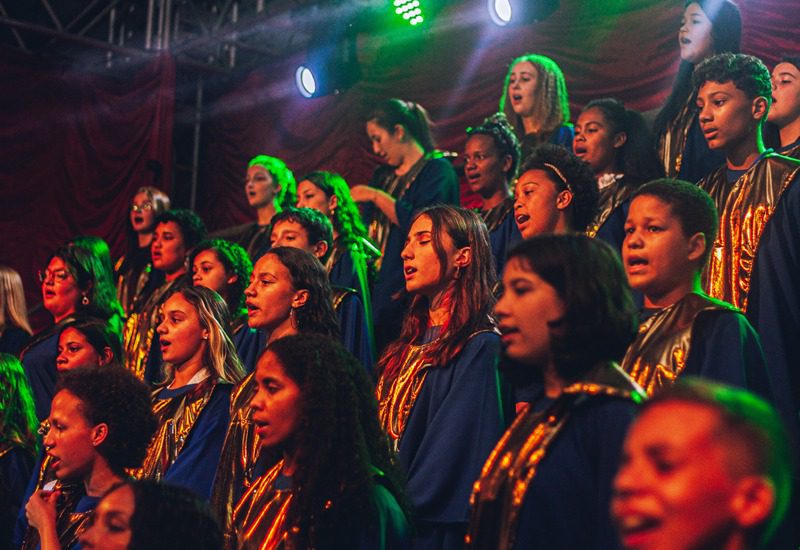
x=192 y=227
x=752 y=423
x=748 y=73
x=113 y=396
x=580 y=180
x=691 y=206
x=316 y=224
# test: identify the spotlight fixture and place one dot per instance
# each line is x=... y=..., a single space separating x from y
x=329 y=69
x=518 y=12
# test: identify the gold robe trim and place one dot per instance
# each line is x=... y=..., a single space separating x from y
x=673 y=141
x=658 y=354
x=611 y=198
x=744 y=208
x=496 y=215
x=498 y=495
x=129 y=289
x=69 y=524
x=176 y=418
x=260 y=516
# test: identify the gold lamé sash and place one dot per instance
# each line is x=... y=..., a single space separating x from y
x=396 y=398
x=497 y=214
x=658 y=354
x=128 y=289
x=176 y=418
x=610 y=198
x=396 y=186
x=69 y=524
x=499 y=493
x=260 y=516
x=140 y=328
x=672 y=141
x=744 y=208
x=240 y=453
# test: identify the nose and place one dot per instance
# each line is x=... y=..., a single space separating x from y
x=48 y=441
x=500 y=308
x=376 y=148
x=61 y=359
x=195 y=279
x=705 y=113
x=407 y=252
x=633 y=239
x=626 y=481
x=250 y=290
x=256 y=403
x=162 y=327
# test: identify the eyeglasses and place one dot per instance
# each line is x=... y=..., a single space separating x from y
x=59 y=275
x=145 y=206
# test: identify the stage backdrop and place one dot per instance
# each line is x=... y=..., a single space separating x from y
x=73 y=146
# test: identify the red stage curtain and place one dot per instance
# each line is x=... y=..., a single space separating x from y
x=73 y=148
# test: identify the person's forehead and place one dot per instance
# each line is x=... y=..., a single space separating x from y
x=677 y=424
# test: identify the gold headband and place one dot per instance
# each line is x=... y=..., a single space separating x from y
x=558 y=173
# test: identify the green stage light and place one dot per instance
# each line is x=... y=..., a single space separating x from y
x=409 y=10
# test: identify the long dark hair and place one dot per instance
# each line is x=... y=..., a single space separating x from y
x=726 y=36
x=408 y=114
x=637 y=157
x=307 y=273
x=471 y=294
x=235 y=260
x=340 y=447
x=99 y=334
x=600 y=318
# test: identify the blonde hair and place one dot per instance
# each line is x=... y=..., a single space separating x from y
x=13 y=309
x=551 y=104
x=220 y=356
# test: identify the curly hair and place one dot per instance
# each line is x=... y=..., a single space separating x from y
x=690 y=205
x=98 y=333
x=748 y=73
x=726 y=35
x=235 y=260
x=281 y=175
x=220 y=356
x=637 y=157
x=470 y=295
x=750 y=424
x=572 y=174
x=339 y=442
x=410 y=115
x=115 y=397
x=193 y=230
x=551 y=105
x=89 y=262
x=18 y=422
x=600 y=318
x=317 y=226
x=505 y=139
x=166 y=517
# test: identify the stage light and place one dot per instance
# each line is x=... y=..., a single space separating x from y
x=329 y=69
x=410 y=11
x=518 y=12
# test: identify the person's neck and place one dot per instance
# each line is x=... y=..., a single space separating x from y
x=496 y=198
x=553 y=383
x=184 y=372
x=562 y=226
x=667 y=298
x=790 y=133
x=284 y=329
x=175 y=274
x=289 y=463
x=413 y=152
x=58 y=318
x=742 y=155
x=101 y=479
x=531 y=125
x=265 y=213
x=144 y=238
x=440 y=308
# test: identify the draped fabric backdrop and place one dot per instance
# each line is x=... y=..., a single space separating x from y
x=73 y=146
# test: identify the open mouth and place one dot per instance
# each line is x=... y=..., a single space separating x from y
x=251 y=308
x=55 y=462
x=580 y=150
x=635 y=264
x=685 y=41
x=634 y=528
x=164 y=344
x=710 y=133
x=138 y=220
x=409 y=271
x=516 y=98
x=521 y=218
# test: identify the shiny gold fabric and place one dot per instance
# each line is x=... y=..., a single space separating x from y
x=140 y=328
x=176 y=418
x=745 y=208
x=611 y=198
x=260 y=516
x=69 y=524
x=495 y=216
x=396 y=398
x=673 y=141
x=396 y=186
x=499 y=493
x=658 y=354
x=240 y=453
x=129 y=285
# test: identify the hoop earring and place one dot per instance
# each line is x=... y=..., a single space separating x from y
x=457 y=274
x=85 y=300
x=293 y=318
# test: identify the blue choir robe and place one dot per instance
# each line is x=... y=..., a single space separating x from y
x=249 y=344
x=452 y=427
x=16 y=466
x=353 y=326
x=503 y=231
x=39 y=362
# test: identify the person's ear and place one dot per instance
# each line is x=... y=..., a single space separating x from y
x=232 y=279
x=564 y=199
x=697 y=246
x=507 y=162
x=333 y=202
x=463 y=257
x=105 y=356
x=99 y=434
x=399 y=132
x=760 y=108
x=753 y=501
x=300 y=298
x=320 y=249
x=619 y=140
